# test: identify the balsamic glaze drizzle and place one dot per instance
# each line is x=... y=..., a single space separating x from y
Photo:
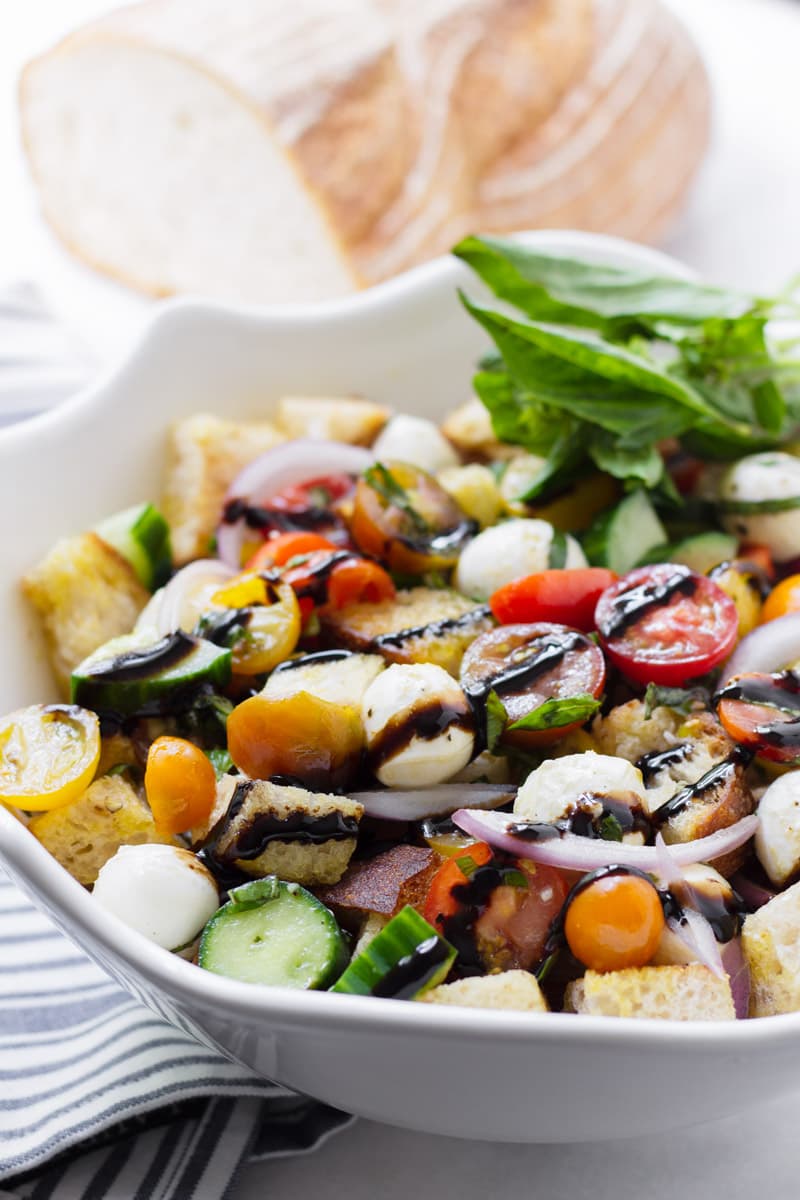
x=533 y=660
x=629 y=606
x=435 y=629
x=141 y=664
x=424 y=721
x=411 y=972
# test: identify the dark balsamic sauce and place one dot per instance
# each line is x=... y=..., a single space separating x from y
x=472 y=897
x=723 y=913
x=424 y=721
x=630 y=606
x=409 y=974
x=780 y=692
x=268 y=520
x=435 y=629
x=141 y=664
x=446 y=544
x=654 y=761
x=315 y=586
x=721 y=773
x=220 y=627
x=311 y=660
x=528 y=663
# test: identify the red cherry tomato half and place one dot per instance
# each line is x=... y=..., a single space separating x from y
x=357 y=580
x=568 y=597
x=279 y=550
x=440 y=902
x=314 y=493
x=666 y=624
x=762 y=713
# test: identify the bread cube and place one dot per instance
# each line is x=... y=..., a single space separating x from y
x=331 y=418
x=771 y=946
x=515 y=991
x=674 y=993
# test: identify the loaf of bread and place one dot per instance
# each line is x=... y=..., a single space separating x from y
x=272 y=152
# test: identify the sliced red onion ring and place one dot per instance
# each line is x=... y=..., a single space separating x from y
x=768 y=648
x=279 y=468
x=754 y=895
x=418 y=803
x=668 y=870
x=735 y=964
x=697 y=935
x=575 y=853
x=181 y=586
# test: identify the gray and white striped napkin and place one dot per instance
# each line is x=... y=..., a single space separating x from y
x=98 y=1096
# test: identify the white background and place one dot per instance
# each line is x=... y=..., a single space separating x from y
x=741 y=225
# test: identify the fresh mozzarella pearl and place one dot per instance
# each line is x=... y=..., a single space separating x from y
x=765 y=477
x=777 y=838
x=552 y=791
x=417 y=441
x=396 y=700
x=163 y=892
x=342 y=682
x=509 y=551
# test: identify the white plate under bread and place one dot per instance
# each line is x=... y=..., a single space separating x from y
x=524 y=1076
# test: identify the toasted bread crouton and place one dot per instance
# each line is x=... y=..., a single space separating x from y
x=469 y=428
x=268 y=830
x=84 y=835
x=771 y=946
x=721 y=799
x=516 y=991
x=116 y=750
x=627 y=733
x=85 y=593
x=331 y=418
x=226 y=786
x=383 y=884
x=675 y=993
x=204 y=456
x=369 y=930
x=420 y=625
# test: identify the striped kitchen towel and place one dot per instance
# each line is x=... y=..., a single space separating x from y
x=98 y=1096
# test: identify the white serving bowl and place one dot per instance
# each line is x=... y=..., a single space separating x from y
x=473 y=1073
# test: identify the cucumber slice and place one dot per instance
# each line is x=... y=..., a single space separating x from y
x=133 y=676
x=404 y=960
x=621 y=538
x=704 y=550
x=141 y=535
x=274 y=933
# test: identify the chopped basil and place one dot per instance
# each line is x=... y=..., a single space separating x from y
x=221 y=761
x=496 y=717
x=682 y=700
x=610 y=829
x=555 y=712
x=382 y=481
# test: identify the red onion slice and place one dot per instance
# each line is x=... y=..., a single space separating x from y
x=754 y=895
x=279 y=468
x=768 y=648
x=418 y=803
x=181 y=587
x=575 y=853
x=697 y=935
x=735 y=964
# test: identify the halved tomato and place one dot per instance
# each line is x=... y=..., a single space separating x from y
x=666 y=624
x=762 y=713
x=567 y=596
x=527 y=665
x=48 y=755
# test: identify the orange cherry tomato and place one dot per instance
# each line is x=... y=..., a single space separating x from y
x=784 y=598
x=762 y=713
x=279 y=550
x=565 y=596
x=358 y=580
x=301 y=737
x=754 y=552
x=180 y=784
x=440 y=902
x=614 y=922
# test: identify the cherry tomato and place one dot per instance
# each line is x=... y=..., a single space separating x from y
x=279 y=550
x=314 y=493
x=762 y=713
x=615 y=921
x=784 y=598
x=313 y=741
x=568 y=597
x=404 y=518
x=666 y=624
x=268 y=617
x=358 y=580
x=440 y=902
x=528 y=664
x=754 y=552
x=48 y=755
x=180 y=784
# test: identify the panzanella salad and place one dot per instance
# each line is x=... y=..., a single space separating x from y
x=503 y=713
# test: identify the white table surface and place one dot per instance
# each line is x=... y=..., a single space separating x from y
x=741 y=225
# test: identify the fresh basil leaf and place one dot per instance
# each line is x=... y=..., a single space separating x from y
x=642 y=463
x=515 y=878
x=382 y=481
x=557 y=555
x=220 y=760
x=496 y=717
x=610 y=829
x=553 y=287
x=682 y=700
x=562 y=466
x=555 y=712
x=517 y=417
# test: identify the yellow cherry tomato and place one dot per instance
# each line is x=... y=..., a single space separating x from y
x=740 y=583
x=784 y=598
x=180 y=784
x=48 y=755
x=616 y=921
x=270 y=621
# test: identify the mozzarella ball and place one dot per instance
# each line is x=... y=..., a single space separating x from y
x=554 y=790
x=400 y=709
x=777 y=839
x=510 y=551
x=417 y=441
x=343 y=681
x=163 y=892
x=759 y=479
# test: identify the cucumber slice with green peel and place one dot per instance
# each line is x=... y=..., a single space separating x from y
x=274 y=933
x=404 y=960
x=134 y=676
x=759 y=508
x=621 y=538
x=704 y=551
x=141 y=535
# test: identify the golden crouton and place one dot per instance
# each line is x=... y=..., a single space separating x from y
x=420 y=625
x=374 y=923
x=626 y=733
x=83 y=835
x=516 y=991
x=771 y=946
x=274 y=829
x=204 y=456
x=675 y=993
x=85 y=593
x=383 y=884
x=469 y=428
x=331 y=418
